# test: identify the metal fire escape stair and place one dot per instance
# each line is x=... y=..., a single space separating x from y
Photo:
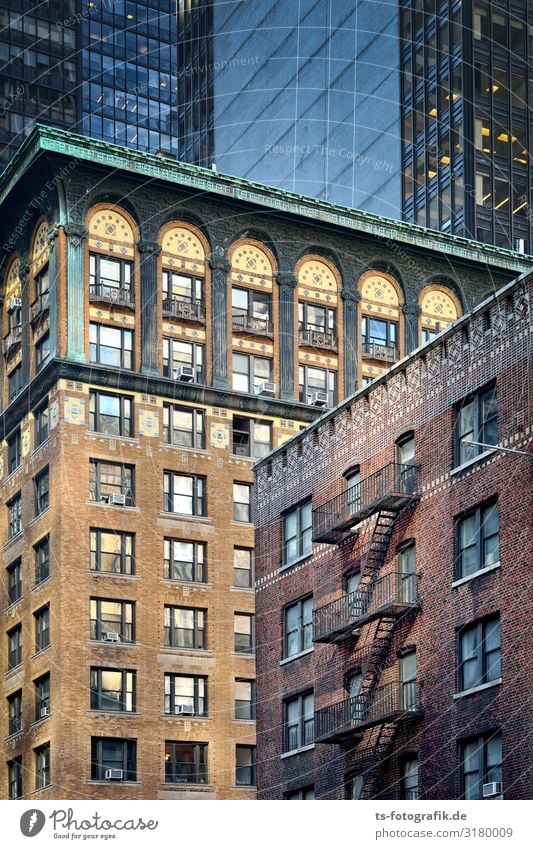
x=369 y=759
x=375 y=554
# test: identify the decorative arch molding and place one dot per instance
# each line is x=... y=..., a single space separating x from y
x=260 y=238
x=40 y=246
x=439 y=307
x=380 y=288
x=389 y=270
x=111 y=230
x=13 y=278
x=252 y=263
x=183 y=246
x=317 y=274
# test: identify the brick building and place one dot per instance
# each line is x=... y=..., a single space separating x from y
x=162 y=327
x=393 y=578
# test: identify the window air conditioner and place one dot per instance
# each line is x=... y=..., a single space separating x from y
x=117 y=498
x=112 y=637
x=15 y=303
x=319 y=399
x=184 y=710
x=114 y=775
x=187 y=374
x=266 y=388
x=45 y=711
x=493 y=788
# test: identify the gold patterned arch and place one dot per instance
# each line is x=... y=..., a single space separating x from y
x=182 y=248
x=315 y=274
x=40 y=248
x=251 y=264
x=13 y=287
x=111 y=232
x=439 y=307
x=378 y=289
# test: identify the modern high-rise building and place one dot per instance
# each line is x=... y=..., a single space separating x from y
x=107 y=69
x=162 y=327
x=391 y=537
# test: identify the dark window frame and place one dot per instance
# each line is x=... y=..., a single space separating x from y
x=41 y=483
x=42 y=686
x=96 y=417
x=247 y=582
x=481 y=538
x=42 y=563
x=197 y=775
x=42 y=423
x=127 y=487
x=100 y=763
x=198 y=496
x=42 y=628
x=15 y=778
x=241 y=704
x=487 y=772
x=14 y=581
x=198 y=630
x=14 y=508
x=480 y=428
x=198 y=563
x=303 y=536
x=196 y=431
x=14 y=712
x=14 y=647
x=303 y=630
x=14 y=455
x=199 y=701
x=240 y=504
x=240 y=646
x=126 y=560
x=96 y=630
x=42 y=351
x=126 y=357
x=305 y=734
x=42 y=766
x=99 y=698
x=244 y=442
x=245 y=773
x=483 y=659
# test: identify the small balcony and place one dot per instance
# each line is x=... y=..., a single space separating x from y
x=106 y=294
x=184 y=309
x=391 y=595
x=392 y=702
x=377 y=351
x=13 y=338
x=40 y=305
x=391 y=488
x=321 y=339
x=252 y=325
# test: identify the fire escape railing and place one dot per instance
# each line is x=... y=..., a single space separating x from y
x=389 y=703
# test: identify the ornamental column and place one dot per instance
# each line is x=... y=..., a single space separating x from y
x=24 y=276
x=149 y=252
x=412 y=312
x=221 y=267
x=76 y=233
x=351 y=339
x=52 y=289
x=287 y=282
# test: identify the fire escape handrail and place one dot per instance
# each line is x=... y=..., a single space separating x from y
x=389 y=702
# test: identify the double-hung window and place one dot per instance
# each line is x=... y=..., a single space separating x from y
x=42 y=351
x=409 y=779
x=111 y=551
x=185 y=627
x=298 y=627
x=477 y=541
x=112 y=620
x=42 y=766
x=244 y=633
x=243 y=567
x=250 y=373
x=42 y=628
x=13 y=451
x=242 y=502
x=185 y=763
x=14 y=581
x=110 y=414
x=251 y=437
x=317 y=384
x=42 y=492
x=245 y=766
x=185 y=561
x=42 y=560
x=111 y=346
x=297 y=529
x=299 y=722
x=244 y=698
x=479 y=659
x=251 y=311
x=42 y=697
x=476 y=421
x=316 y=318
x=481 y=763
x=379 y=338
x=14 y=382
x=180 y=289
x=42 y=424
x=112 y=689
x=109 y=479
x=185 y=695
x=14 y=712
x=184 y=494
x=14 y=511
x=14 y=647
x=183 y=426
x=113 y=753
x=183 y=360
x=14 y=778
x=110 y=278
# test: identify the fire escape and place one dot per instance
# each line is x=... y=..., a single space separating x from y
x=366 y=722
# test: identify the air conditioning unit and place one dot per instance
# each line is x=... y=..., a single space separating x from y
x=45 y=711
x=187 y=374
x=114 y=775
x=266 y=388
x=112 y=637
x=184 y=710
x=319 y=399
x=493 y=788
x=117 y=498
x=15 y=304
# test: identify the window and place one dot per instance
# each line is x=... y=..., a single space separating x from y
x=180 y=287
x=111 y=346
x=479 y=659
x=185 y=763
x=186 y=695
x=407 y=587
x=251 y=311
x=477 y=541
x=298 y=627
x=110 y=414
x=42 y=628
x=244 y=698
x=405 y=457
x=14 y=778
x=113 y=690
x=242 y=502
x=180 y=357
x=14 y=511
x=251 y=438
x=184 y=494
x=185 y=561
x=243 y=567
x=476 y=421
x=14 y=581
x=409 y=779
x=249 y=373
x=244 y=633
x=315 y=383
x=379 y=338
x=14 y=712
x=42 y=492
x=112 y=620
x=14 y=382
x=42 y=424
x=109 y=479
x=481 y=763
x=109 y=277
x=245 y=765
x=299 y=722
x=297 y=527
x=42 y=766
x=14 y=647
x=408 y=685
x=111 y=551
x=13 y=452
x=353 y=490
x=313 y=317
x=306 y=794
x=42 y=560
x=42 y=697
x=113 y=753
x=183 y=426
x=42 y=351
x=185 y=627
x=356 y=787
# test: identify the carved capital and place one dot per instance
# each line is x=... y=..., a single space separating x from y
x=152 y=248
x=288 y=279
x=411 y=308
x=76 y=232
x=219 y=260
x=51 y=238
x=350 y=296
x=24 y=270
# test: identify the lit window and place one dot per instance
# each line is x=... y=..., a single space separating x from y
x=185 y=695
x=185 y=763
x=112 y=689
x=244 y=633
x=185 y=627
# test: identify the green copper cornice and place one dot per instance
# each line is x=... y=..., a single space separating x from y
x=191 y=176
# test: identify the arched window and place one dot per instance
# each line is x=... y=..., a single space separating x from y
x=39 y=272
x=183 y=275
x=111 y=258
x=439 y=308
x=318 y=329
x=381 y=323
x=12 y=299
